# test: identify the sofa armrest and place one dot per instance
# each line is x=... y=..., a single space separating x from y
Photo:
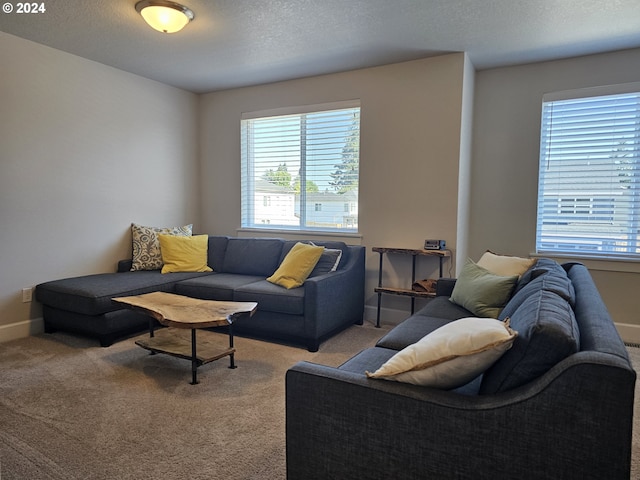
x=125 y=265
x=337 y=298
x=444 y=287
x=574 y=422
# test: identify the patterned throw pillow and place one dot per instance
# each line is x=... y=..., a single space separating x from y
x=146 y=246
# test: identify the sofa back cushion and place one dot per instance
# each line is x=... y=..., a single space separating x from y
x=548 y=277
x=544 y=266
x=252 y=256
x=216 y=251
x=547 y=333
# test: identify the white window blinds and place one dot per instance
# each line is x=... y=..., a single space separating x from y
x=300 y=169
x=588 y=194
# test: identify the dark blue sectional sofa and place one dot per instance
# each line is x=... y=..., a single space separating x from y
x=327 y=303
x=558 y=404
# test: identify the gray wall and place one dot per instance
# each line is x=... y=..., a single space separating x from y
x=85 y=150
x=505 y=164
x=409 y=155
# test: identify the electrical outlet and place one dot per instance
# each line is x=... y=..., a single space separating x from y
x=27 y=294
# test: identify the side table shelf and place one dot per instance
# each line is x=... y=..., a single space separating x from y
x=440 y=254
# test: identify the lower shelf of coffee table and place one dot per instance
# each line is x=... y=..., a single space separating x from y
x=177 y=342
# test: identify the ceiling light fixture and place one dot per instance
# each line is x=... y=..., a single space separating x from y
x=164 y=16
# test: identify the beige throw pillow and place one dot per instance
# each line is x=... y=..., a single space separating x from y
x=450 y=356
x=504 y=264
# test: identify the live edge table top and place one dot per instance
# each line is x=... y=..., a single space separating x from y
x=179 y=311
x=182 y=312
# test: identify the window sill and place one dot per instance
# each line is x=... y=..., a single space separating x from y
x=604 y=264
x=302 y=234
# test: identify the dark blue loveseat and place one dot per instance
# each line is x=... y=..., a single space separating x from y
x=557 y=405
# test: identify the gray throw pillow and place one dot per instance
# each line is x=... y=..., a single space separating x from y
x=328 y=262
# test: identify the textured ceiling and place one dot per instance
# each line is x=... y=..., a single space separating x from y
x=233 y=43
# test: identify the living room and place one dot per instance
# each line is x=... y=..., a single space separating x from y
x=88 y=149
x=448 y=150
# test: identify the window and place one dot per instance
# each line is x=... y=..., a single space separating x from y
x=589 y=187
x=307 y=162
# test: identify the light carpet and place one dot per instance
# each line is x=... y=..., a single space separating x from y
x=70 y=409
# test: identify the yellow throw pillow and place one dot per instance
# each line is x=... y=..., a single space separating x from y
x=184 y=254
x=297 y=265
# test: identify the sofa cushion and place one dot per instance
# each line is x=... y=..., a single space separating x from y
x=438 y=312
x=543 y=266
x=451 y=355
x=216 y=251
x=296 y=265
x=442 y=307
x=369 y=359
x=216 y=286
x=482 y=292
x=554 y=280
x=411 y=331
x=184 y=254
x=252 y=256
x=146 y=246
x=373 y=358
x=91 y=294
x=272 y=298
x=547 y=333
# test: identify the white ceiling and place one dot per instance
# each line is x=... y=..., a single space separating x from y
x=233 y=43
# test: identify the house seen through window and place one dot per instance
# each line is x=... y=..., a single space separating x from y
x=300 y=167
x=589 y=187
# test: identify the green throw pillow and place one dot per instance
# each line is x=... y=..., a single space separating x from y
x=482 y=292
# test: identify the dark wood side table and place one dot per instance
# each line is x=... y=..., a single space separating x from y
x=439 y=254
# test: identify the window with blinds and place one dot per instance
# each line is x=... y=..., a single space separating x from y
x=589 y=191
x=300 y=168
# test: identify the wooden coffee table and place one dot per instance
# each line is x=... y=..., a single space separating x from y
x=180 y=312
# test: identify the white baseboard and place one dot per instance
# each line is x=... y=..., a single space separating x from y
x=629 y=333
x=388 y=316
x=16 y=330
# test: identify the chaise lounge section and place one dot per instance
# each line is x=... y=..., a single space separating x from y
x=328 y=301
